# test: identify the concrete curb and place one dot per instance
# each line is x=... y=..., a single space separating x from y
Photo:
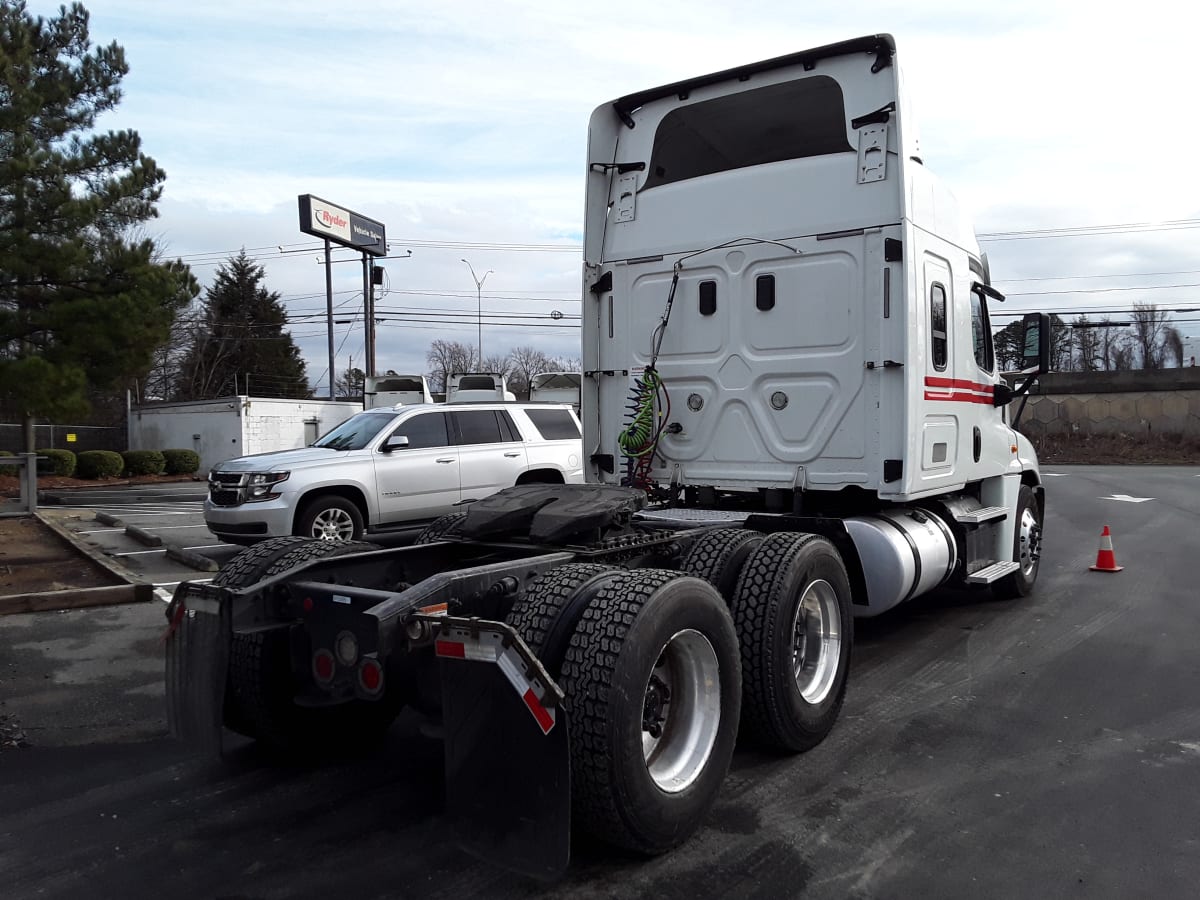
x=142 y=536
x=76 y=598
x=190 y=558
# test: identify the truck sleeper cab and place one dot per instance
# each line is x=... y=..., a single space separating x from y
x=791 y=417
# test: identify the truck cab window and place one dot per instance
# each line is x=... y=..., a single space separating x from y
x=937 y=329
x=981 y=333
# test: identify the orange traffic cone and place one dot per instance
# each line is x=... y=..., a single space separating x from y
x=1106 y=560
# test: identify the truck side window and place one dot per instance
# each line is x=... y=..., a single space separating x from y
x=425 y=430
x=937 y=330
x=981 y=333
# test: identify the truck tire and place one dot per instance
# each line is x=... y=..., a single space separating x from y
x=440 y=527
x=653 y=690
x=718 y=557
x=261 y=684
x=794 y=624
x=249 y=566
x=545 y=616
x=330 y=518
x=1027 y=548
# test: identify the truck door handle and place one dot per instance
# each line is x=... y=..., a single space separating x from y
x=449 y=459
x=512 y=455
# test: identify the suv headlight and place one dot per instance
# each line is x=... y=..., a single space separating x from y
x=259 y=484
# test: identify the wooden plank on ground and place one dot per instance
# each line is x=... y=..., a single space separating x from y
x=76 y=598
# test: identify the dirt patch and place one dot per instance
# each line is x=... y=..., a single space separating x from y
x=1118 y=449
x=34 y=559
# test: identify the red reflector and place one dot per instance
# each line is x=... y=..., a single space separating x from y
x=451 y=648
x=308 y=604
x=371 y=675
x=539 y=711
x=323 y=665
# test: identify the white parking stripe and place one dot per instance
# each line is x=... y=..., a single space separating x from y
x=100 y=531
x=167 y=527
x=140 y=552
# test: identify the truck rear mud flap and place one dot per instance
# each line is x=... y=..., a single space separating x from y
x=197 y=652
x=508 y=792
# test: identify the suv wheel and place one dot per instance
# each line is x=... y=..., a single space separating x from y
x=330 y=518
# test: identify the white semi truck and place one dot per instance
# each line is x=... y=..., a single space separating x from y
x=792 y=416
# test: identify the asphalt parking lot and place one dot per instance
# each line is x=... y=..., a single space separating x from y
x=1046 y=747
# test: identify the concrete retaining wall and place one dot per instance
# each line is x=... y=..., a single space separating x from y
x=1130 y=403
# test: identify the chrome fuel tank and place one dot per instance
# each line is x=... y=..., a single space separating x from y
x=904 y=553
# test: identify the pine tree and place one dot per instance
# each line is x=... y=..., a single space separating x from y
x=240 y=336
x=83 y=300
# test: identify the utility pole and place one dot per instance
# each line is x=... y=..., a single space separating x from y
x=329 y=311
x=479 y=305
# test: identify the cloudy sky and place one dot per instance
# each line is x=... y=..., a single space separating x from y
x=1065 y=127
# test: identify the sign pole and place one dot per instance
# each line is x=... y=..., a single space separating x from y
x=329 y=311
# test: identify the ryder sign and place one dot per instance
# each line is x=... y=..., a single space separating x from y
x=322 y=219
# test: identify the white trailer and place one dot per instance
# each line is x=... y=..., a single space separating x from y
x=392 y=389
x=792 y=416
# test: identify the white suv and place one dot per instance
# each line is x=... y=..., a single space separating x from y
x=392 y=469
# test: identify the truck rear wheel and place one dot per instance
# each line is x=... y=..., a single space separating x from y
x=1027 y=549
x=440 y=527
x=261 y=685
x=546 y=615
x=653 y=690
x=794 y=625
x=718 y=557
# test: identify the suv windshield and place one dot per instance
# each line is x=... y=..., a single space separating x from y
x=357 y=431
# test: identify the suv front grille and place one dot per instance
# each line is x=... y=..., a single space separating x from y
x=227 y=488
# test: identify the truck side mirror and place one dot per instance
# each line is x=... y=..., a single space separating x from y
x=1036 y=343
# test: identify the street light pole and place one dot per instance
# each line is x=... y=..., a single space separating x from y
x=479 y=305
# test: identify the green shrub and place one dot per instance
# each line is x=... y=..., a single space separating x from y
x=181 y=462
x=58 y=462
x=7 y=470
x=144 y=462
x=100 y=464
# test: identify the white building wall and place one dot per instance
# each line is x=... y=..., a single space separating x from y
x=269 y=424
x=233 y=426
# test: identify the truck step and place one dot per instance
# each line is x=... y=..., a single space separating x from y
x=981 y=515
x=994 y=572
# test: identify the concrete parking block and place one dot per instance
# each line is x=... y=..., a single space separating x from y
x=142 y=536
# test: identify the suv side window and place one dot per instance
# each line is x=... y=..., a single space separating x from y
x=425 y=430
x=508 y=428
x=553 y=424
x=477 y=426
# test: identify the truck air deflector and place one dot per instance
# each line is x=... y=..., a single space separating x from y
x=882 y=45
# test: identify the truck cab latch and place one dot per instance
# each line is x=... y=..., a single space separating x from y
x=886 y=364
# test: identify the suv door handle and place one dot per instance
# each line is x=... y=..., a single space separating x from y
x=512 y=455
x=448 y=459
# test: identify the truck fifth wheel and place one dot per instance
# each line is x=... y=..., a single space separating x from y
x=792 y=417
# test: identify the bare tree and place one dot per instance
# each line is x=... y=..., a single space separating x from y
x=526 y=362
x=444 y=357
x=1172 y=345
x=350 y=383
x=1088 y=343
x=1148 y=324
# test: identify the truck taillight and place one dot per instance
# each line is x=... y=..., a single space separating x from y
x=323 y=666
x=370 y=676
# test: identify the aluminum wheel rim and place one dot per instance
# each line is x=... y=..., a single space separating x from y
x=333 y=525
x=1031 y=542
x=816 y=641
x=682 y=701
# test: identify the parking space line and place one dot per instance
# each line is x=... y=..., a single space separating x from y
x=140 y=552
x=100 y=531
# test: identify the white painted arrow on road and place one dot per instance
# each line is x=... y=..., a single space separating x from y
x=1125 y=498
